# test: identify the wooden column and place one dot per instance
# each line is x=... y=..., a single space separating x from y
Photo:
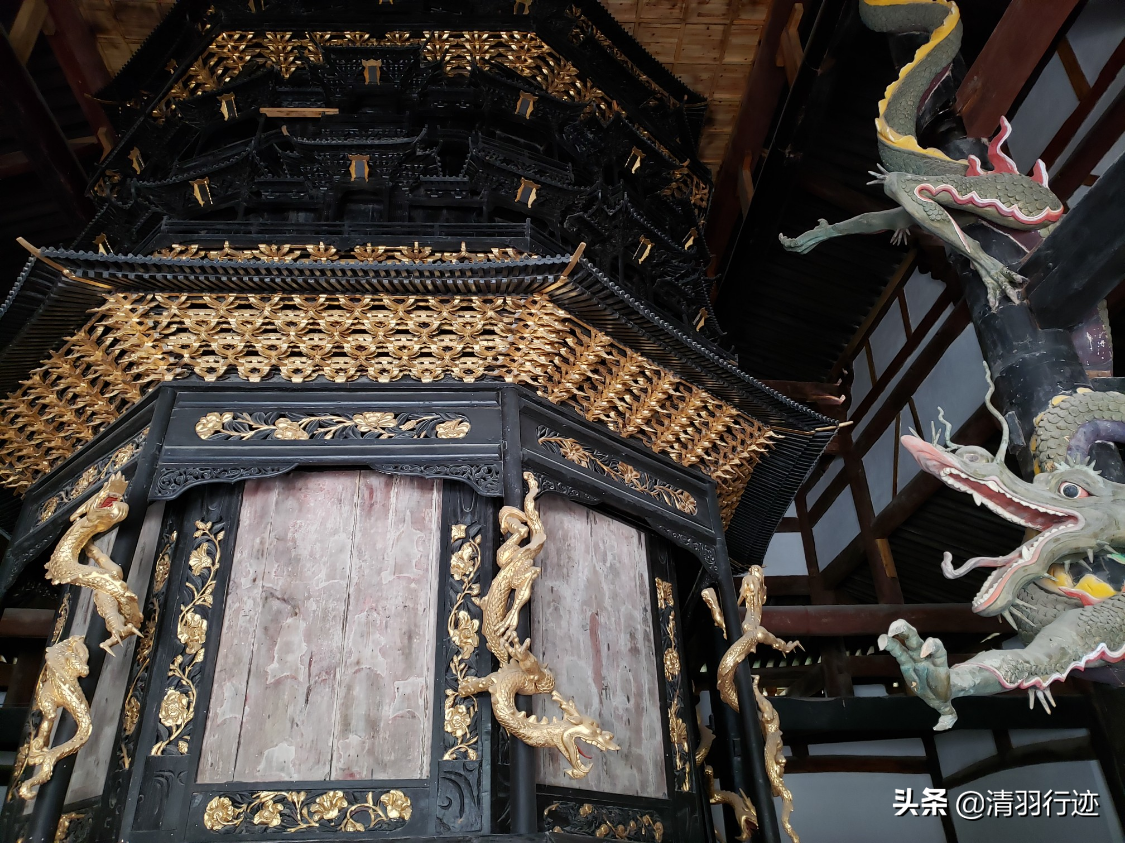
x=754 y=760
x=524 y=812
x=878 y=550
x=49 y=800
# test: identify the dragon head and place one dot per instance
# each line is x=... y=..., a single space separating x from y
x=1073 y=511
x=580 y=728
x=108 y=506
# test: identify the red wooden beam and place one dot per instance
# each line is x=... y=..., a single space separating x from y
x=1091 y=150
x=1025 y=33
x=86 y=74
x=26 y=623
x=1074 y=122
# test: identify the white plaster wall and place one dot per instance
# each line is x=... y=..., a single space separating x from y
x=894 y=381
x=839 y=526
x=887 y=339
x=785 y=556
x=1095 y=34
x=834 y=468
x=1049 y=102
x=857 y=808
x=861 y=380
x=878 y=463
x=897 y=747
x=1059 y=776
x=956 y=384
x=922 y=290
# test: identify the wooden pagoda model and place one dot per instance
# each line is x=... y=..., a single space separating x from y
x=362 y=274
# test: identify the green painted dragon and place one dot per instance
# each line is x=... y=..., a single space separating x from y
x=938 y=193
x=1062 y=588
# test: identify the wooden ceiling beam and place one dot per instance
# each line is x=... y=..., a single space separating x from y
x=77 y=54
x=40 y=136
x=828 y=621
x=1083 y=259
x=764 y=85
x=17 y=163
x=26 y=27
x=1025 y=34
x=834 y=26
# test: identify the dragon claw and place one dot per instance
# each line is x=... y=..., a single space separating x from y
x=925 y=667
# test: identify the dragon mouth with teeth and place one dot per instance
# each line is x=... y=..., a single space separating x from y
x=989 y=487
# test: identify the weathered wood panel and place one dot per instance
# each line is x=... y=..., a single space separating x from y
x=240 y=624
x=592 y=625
x=92 y=762
x=326 y=660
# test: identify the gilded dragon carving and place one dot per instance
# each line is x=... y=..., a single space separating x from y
x=520 y=671
x=744 y=813
x=114 y=600
x=752 y=595
x=63 y=665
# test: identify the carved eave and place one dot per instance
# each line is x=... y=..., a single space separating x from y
x=580 y=32
x=797 y=435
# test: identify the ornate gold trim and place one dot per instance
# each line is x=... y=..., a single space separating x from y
x=617 y=470
x=177 y=708
x=462 y=627
x=458 y=52
x=93 y=475
x=603 y=821
x=131 y=711
x=286 y=253
x=302 y=426
x=135 y=342
x=677 y=728
x=294 y=811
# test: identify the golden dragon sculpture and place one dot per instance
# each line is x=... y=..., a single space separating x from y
x=63 y=665
x=744 y=813
x=113 y=598
x=752 y=595
x=520 y=671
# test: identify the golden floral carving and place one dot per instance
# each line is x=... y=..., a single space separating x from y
x=177 y=709
x=463 y=629
x=136 y=341
x=94 y=474
x=613 y=468
x=320 y=253
x=61 y=618
x=294 y=811
x=299 y=426
x=677 y=729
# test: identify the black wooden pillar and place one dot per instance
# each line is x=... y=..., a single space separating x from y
x=754 y=762
x=522 y=771
x=51 y=796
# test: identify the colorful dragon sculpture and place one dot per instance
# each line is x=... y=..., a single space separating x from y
x=63 y=665
x=938 y=193
x=1062 y=588
x=520 y=671
x=114 y=600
